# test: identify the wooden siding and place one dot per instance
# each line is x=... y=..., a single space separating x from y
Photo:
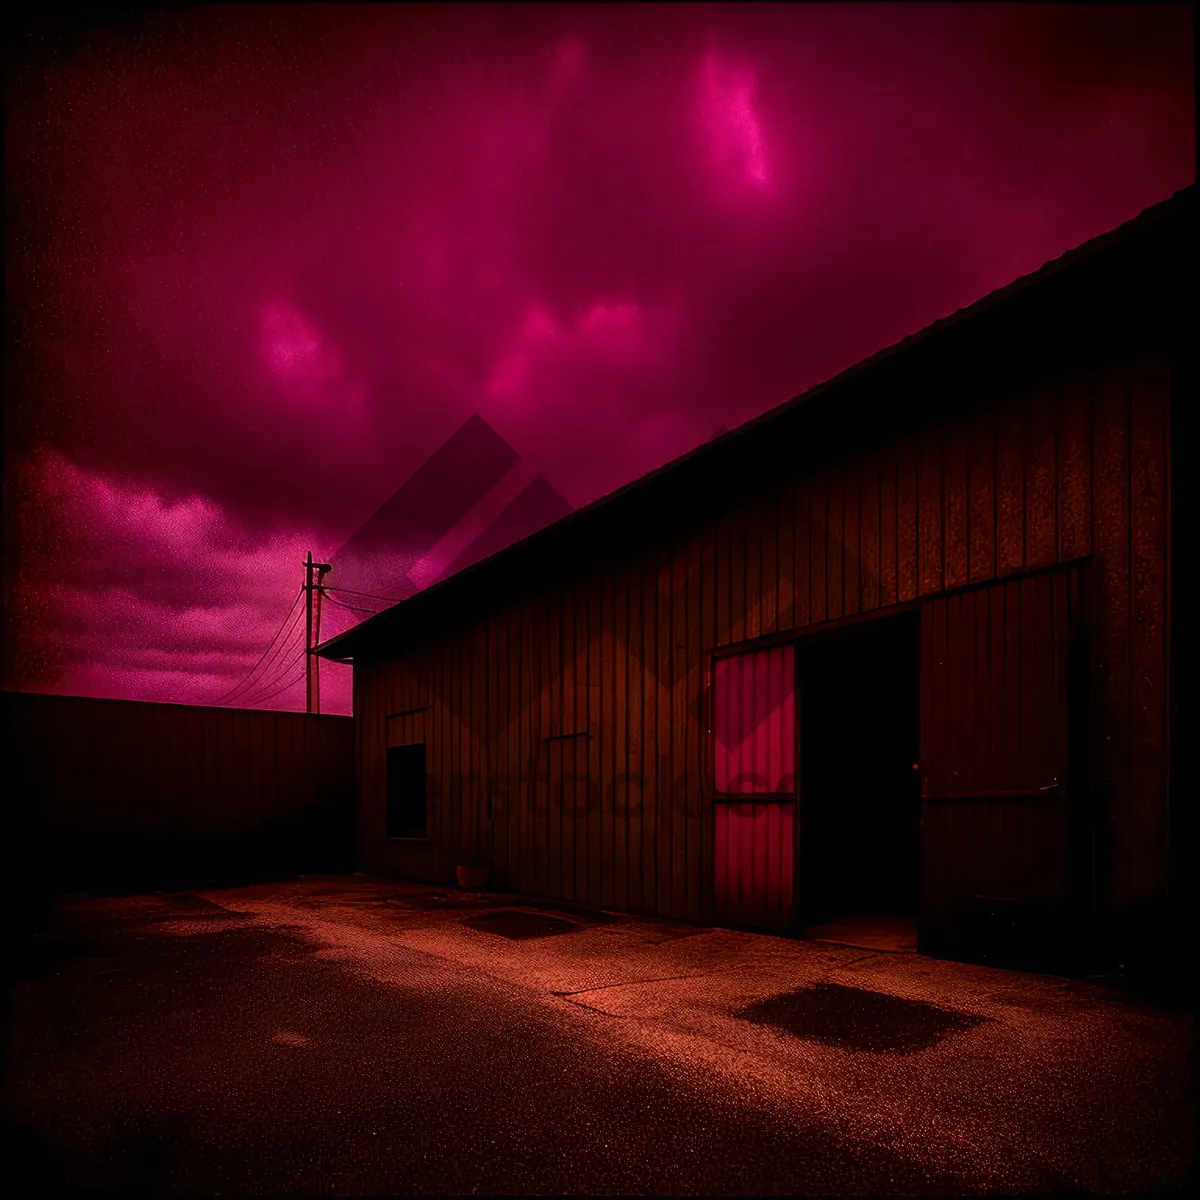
x=121 y=792
x=754 y=862
x=1004 y=815
x=1070 y=463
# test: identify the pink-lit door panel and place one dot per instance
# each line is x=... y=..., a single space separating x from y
x=754 y=757
x=754 y=723
x=755 y=856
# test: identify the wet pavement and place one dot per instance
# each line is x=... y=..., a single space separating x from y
x=357 y=1036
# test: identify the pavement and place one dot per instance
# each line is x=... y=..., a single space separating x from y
x=361 y=1036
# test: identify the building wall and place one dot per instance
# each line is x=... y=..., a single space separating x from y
x=120 y=793
x=1064 y=462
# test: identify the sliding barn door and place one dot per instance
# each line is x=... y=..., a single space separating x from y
x=1004 y=834
x=754 y=772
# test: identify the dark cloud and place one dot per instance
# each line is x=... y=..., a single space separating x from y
x=267 y=259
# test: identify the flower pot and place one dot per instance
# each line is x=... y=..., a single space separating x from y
x=471 y=879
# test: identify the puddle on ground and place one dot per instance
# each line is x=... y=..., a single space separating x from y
x=853 y=1018
x=443 y=901
x=520 y=926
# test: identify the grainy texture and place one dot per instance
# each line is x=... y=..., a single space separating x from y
x=635 y=828
x=1026 y=447
x=360 y=1037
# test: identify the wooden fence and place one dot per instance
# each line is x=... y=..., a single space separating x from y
x=116 y=794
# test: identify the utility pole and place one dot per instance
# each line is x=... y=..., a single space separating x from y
x=312 y=632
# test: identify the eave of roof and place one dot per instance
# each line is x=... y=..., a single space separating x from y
x=341 y=647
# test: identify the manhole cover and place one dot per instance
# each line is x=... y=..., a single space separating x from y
x=520 y=926
x=856 y=1019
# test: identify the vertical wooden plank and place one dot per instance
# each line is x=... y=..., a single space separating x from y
x=489 y=672
x=536 y=764
x=575 y=832
x=889 y=514
x=580 y=827
x=1010 y=487
x=933 y=658
x=692 y=746
x=851 y=520
x=737 y=572
x=930 y=513
x=969 y=723
x=541 y=780
x=466 y=732
x=835 y=541
x=819 y=528
x=649 y=734
x=801 y=542
x=737 y=871
x=869 y=565
x=761 y=878
x=1034 y=608
x=786 y=565
x=635 y=733
x=1111 y=539
x=708 y=629
x=721 y=862
x=451 y=800
x=499 y=661
x=1074 y=488
x=755 y=533
x=554 y=800
x=1055 y=723
x=517 y=756
x=769 y=577
x=982 y=489
x=1013 y=683
x=615 y=783
x=953 y=732
x=444 y=799
x=663 y=741
x=681 y=561
x=1150 y=388
x=984 y=699
x=477 y=727
x=458 y=699
x=772 y=881
x=956 y=476
x=571 y=745
x=601 y=740
x=521 y=837
x=906 y=520
x=788 y=860
x=1041 y=506
x=723 y=581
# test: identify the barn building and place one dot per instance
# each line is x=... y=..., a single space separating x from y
x=901 y=647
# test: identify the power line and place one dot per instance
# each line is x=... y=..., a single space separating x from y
x=293 y=634
x=291 y=681
x=283 y=645
x=351 y=607
x=367 y=595
x=246 y=678
x=255 y=693
x=295 y=679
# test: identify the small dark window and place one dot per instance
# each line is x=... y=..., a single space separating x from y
x=406 y=791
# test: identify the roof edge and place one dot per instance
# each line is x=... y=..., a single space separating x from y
x=339 y=647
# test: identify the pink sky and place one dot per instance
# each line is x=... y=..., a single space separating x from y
x=264 y=261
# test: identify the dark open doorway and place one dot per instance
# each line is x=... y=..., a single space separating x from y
x=859 y=791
